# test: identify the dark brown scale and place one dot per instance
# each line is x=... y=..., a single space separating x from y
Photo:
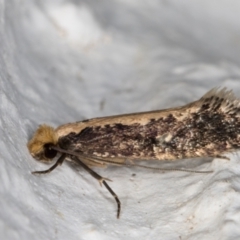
x=217 y=106
x=205 y=107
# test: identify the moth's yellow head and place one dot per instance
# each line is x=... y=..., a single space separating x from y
x=42 y=140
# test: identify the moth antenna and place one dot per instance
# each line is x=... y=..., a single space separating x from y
x=153 y=168
x=169 y=169
x=129 y=165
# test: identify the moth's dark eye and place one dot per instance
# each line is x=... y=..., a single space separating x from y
x=48 y=151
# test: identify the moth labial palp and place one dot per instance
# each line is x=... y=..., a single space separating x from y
x=208 y=127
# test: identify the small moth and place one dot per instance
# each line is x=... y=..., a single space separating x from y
x=209 y=127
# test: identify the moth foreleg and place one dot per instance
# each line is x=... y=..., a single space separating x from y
x=58 y=163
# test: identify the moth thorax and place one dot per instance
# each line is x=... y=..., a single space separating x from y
x=40 y=145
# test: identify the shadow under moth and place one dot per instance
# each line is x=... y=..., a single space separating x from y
x=208 y=127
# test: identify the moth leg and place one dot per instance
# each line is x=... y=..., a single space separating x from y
x=101 y=180
x=116 y=198
x=58 y=163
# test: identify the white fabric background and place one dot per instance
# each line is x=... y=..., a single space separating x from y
x=65 y=61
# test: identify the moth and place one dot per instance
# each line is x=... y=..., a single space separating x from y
x=208 y=127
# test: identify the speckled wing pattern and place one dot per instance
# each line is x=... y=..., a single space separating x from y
x=208 y=127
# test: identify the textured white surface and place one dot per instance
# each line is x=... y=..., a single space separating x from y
x=63 y=61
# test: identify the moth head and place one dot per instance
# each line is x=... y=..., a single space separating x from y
x=40 y=145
